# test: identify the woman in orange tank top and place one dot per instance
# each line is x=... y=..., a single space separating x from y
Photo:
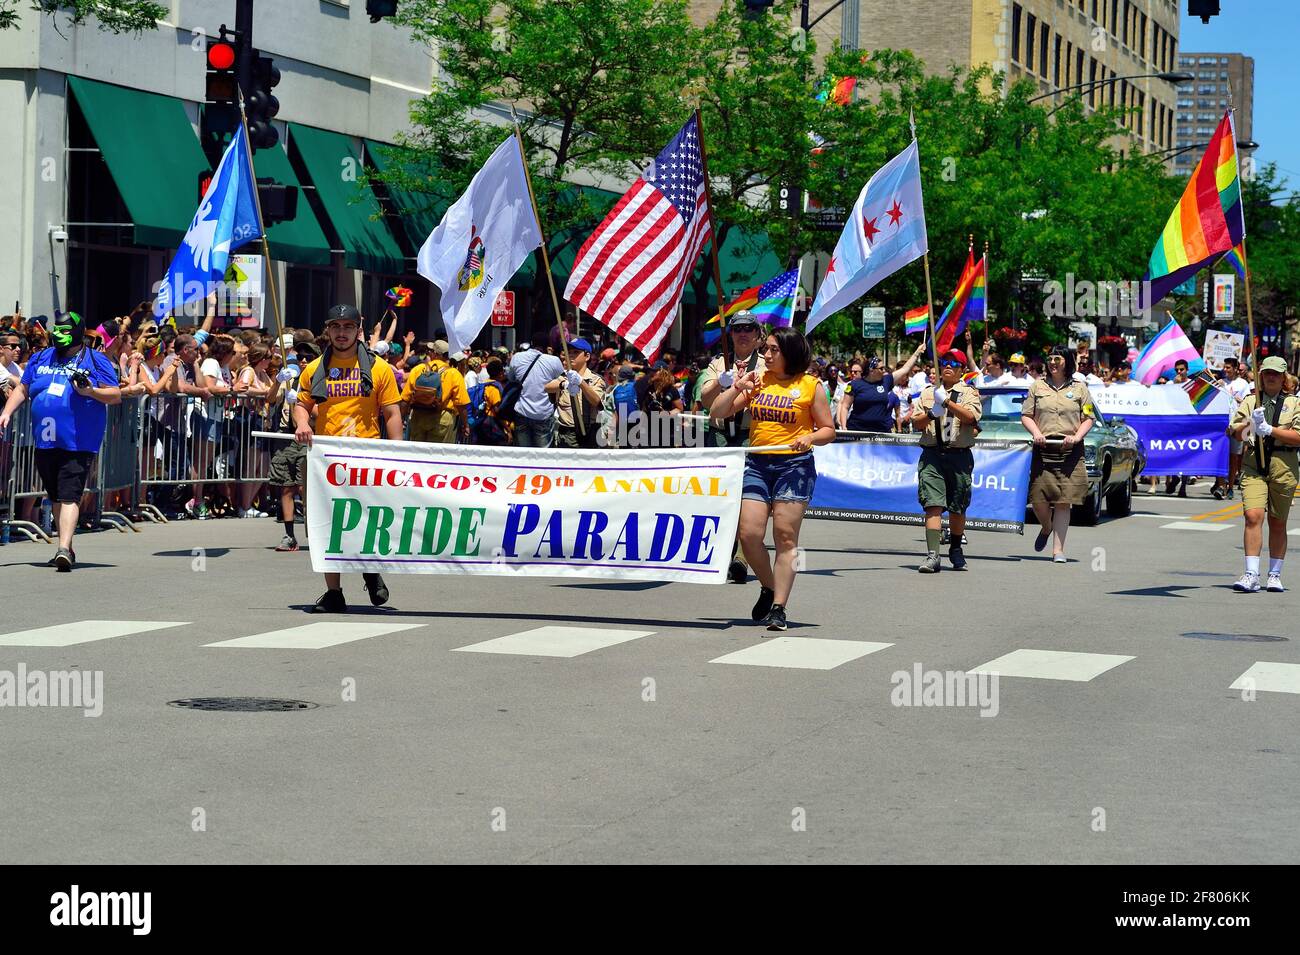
x=789 y=410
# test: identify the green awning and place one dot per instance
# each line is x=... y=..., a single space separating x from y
x=299 y=240
x=152 y=153
x=351 y=205
x=419 y=211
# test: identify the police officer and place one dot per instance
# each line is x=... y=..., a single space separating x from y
x=746 y=334
x=946 y=415
x=1058 y=413
x=1269 y=421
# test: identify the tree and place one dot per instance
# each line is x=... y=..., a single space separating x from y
x=598 y=84
x=1272 y=244
x=116 y=16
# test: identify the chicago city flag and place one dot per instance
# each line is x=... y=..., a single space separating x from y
x=480 y=243
x=885 y=231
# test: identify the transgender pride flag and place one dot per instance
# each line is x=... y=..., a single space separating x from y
x=1161 y=353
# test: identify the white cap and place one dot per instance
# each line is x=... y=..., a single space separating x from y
x=458 y=356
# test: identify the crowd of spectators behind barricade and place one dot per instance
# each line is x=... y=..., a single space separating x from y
x=251 y=377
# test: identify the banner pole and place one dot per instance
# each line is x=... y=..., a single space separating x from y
x=576 y=400
x=713 y=245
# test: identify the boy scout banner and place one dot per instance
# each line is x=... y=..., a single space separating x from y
x=404 y=507
x=874 y=479
x=1177 y=439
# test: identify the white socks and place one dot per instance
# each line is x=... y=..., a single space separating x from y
x=1275 y=566
x=1252 y=565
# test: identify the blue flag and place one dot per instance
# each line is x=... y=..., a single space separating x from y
x=226 y=219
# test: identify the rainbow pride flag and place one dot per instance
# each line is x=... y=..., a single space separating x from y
x=775 y=305
x=1236 y=257
x=916 y=320
x=967 y=303
x=1200 y=389
x=713 y=327
x=1206 y=223
x=839 y=92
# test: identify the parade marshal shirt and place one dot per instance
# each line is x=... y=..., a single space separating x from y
x=61 y=418
x=781 y=412
x=1058 y=412
x=345 y=411
x=956 y=434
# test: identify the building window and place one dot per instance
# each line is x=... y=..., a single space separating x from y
x=1094 y=9
x=1042 y=50
x=1056 y=63
x=1015 y=33
x=1031 y=35
x=1143 y=51
x=1114 y=17
x=1078 y=68
x=1092 y=78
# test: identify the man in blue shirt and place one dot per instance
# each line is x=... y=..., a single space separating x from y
x=541 y=377
x=69 y=385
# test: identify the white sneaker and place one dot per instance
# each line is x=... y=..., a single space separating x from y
x=1248 y=583
x=1274 y=585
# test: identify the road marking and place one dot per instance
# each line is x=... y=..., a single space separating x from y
x=1231 y=508
x=83 y=631
x=314 y=636
x=555 y=641
x=802 y=653
x=1271 y=677
x=1053 y=664
x=1189 y=526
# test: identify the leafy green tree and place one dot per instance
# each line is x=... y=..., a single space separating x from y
x=116 y=16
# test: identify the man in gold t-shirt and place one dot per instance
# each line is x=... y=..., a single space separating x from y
x=351 y=392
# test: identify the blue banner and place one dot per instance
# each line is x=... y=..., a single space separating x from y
x=874 y=479
x=1176 y=439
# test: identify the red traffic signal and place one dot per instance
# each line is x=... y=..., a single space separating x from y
x=221 y=55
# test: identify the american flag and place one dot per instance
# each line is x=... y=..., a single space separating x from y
x=631 y=271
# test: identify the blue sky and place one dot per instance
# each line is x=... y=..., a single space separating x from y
x=1269 y=31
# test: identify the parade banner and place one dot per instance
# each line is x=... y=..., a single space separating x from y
x=1177 y=440
x=874 y=479
x=410 y=508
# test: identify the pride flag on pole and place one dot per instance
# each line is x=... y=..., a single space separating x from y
x=1200 y=389
x=713 y=327
x=1161 y=353
x=915 y=321
x=967 y=303
x=775 y=305
x=1236 y=257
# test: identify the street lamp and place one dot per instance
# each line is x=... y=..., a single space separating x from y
x=1175 y=77
x=1175 y=151
x=756 y=8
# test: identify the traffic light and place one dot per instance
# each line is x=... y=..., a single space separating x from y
x=378 y=9
x=1203 y=9
x=260 y=105
x=223 y=79
x=279 y=202
x=205 y=180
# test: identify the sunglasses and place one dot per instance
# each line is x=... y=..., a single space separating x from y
x=949 y=363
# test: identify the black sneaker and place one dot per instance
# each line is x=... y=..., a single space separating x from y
x=331 y=602
x=776 y=618
x=1216 y=492
x=737 y=573
x=956 y=558
x=64 y=560
x=376 y=588
x=763 y=604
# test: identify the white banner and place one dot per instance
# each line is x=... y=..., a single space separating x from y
x=1134 y=400
x=1220 y=345
x=410 y=508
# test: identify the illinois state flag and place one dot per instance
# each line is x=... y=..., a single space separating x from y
x=885 y=231
x=480 y=244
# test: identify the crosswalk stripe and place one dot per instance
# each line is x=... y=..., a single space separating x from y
x=555 y=641
x=314 y=636
x=802 y=653
x=1189 y=526
x=1270 y=677
x=1053 y=664
x=82 y=631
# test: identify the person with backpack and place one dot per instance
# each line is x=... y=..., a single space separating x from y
x=625 y=404
x=484 y=402
x=437 y=399
x=588 y=401
x=535 y=380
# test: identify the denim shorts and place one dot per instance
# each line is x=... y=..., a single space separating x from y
x=779 y=477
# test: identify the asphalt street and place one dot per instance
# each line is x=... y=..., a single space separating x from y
x=644 y=748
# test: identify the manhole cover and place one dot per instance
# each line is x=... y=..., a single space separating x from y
x=243 y=704
x=1242 y=637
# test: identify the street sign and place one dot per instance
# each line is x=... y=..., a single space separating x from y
x=242 y=303
x=873 y=322
x=503 y=310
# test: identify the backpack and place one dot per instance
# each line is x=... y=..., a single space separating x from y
x=625 y=398
x=426 y=389
x=506 y=409
x=477 y=410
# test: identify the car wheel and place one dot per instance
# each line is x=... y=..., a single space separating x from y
x=1089 y=512
x=1119 y=502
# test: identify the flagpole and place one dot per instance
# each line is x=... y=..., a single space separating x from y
x=550 y=279
x=261 y=226
x=713 y=245
x=986 y=295
x=929 y=293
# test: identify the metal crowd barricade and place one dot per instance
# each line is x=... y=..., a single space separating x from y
x=23 y=482
x=119 y=457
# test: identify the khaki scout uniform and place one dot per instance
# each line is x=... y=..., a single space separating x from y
x=734 y=430
x=1275 y=485
x=566 y=434
x=944 y=473
x=1057 y=478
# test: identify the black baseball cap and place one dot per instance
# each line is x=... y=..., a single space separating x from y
x=343 y=313
x=742 y=319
